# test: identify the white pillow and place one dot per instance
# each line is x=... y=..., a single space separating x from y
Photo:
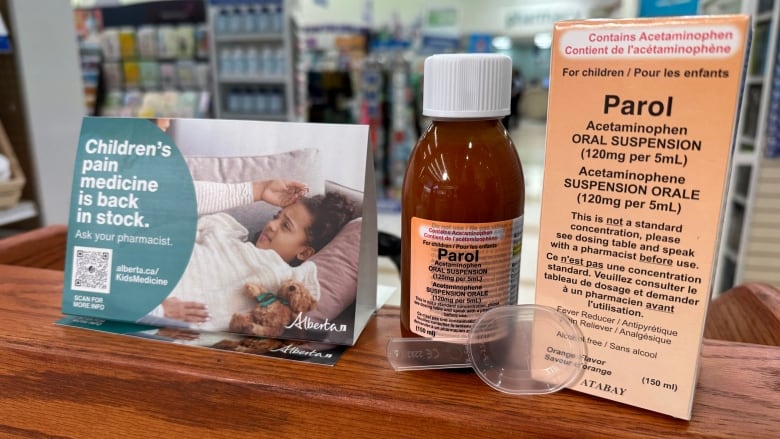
x=304 y=165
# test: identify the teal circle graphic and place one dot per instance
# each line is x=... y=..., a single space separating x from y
x=132 y=220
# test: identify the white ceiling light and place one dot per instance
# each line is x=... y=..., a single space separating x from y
x=502 y=43
x=543 y=40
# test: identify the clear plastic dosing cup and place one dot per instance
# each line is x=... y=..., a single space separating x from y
x=517 y=349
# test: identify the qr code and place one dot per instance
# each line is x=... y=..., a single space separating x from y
x=91 y=269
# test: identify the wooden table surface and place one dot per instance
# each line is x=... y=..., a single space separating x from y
x=65 y=382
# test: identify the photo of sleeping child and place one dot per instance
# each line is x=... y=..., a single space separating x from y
x=253 y=268
x=229 y=275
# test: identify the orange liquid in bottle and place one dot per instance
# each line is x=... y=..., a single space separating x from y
x=460 y=171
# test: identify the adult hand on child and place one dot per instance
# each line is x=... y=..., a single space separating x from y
x=279 y=192
x=193 y=312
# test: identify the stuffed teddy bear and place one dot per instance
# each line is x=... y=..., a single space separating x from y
x=273 y=311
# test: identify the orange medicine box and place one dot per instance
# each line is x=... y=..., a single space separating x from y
x=641 y=121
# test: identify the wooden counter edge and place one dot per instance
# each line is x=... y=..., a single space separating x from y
x=75 y=383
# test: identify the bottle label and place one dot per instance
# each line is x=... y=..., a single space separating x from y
x=460 y=270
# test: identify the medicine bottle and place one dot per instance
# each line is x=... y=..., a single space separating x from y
x=463 y=200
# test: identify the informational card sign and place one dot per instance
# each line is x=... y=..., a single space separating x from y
x=259 y=228
x=642 y=114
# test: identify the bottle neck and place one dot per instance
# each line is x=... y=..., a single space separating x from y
x=474 y=123
x=465 y=119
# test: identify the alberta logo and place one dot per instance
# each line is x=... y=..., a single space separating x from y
x=291 y=349
x=307 y=324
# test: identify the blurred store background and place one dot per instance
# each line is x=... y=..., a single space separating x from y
x=335 y=61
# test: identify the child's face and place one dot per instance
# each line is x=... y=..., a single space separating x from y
x=286 y=233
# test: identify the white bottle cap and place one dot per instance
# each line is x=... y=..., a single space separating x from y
x=465 y=86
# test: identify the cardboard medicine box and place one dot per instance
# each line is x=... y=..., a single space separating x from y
x=640 y=129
